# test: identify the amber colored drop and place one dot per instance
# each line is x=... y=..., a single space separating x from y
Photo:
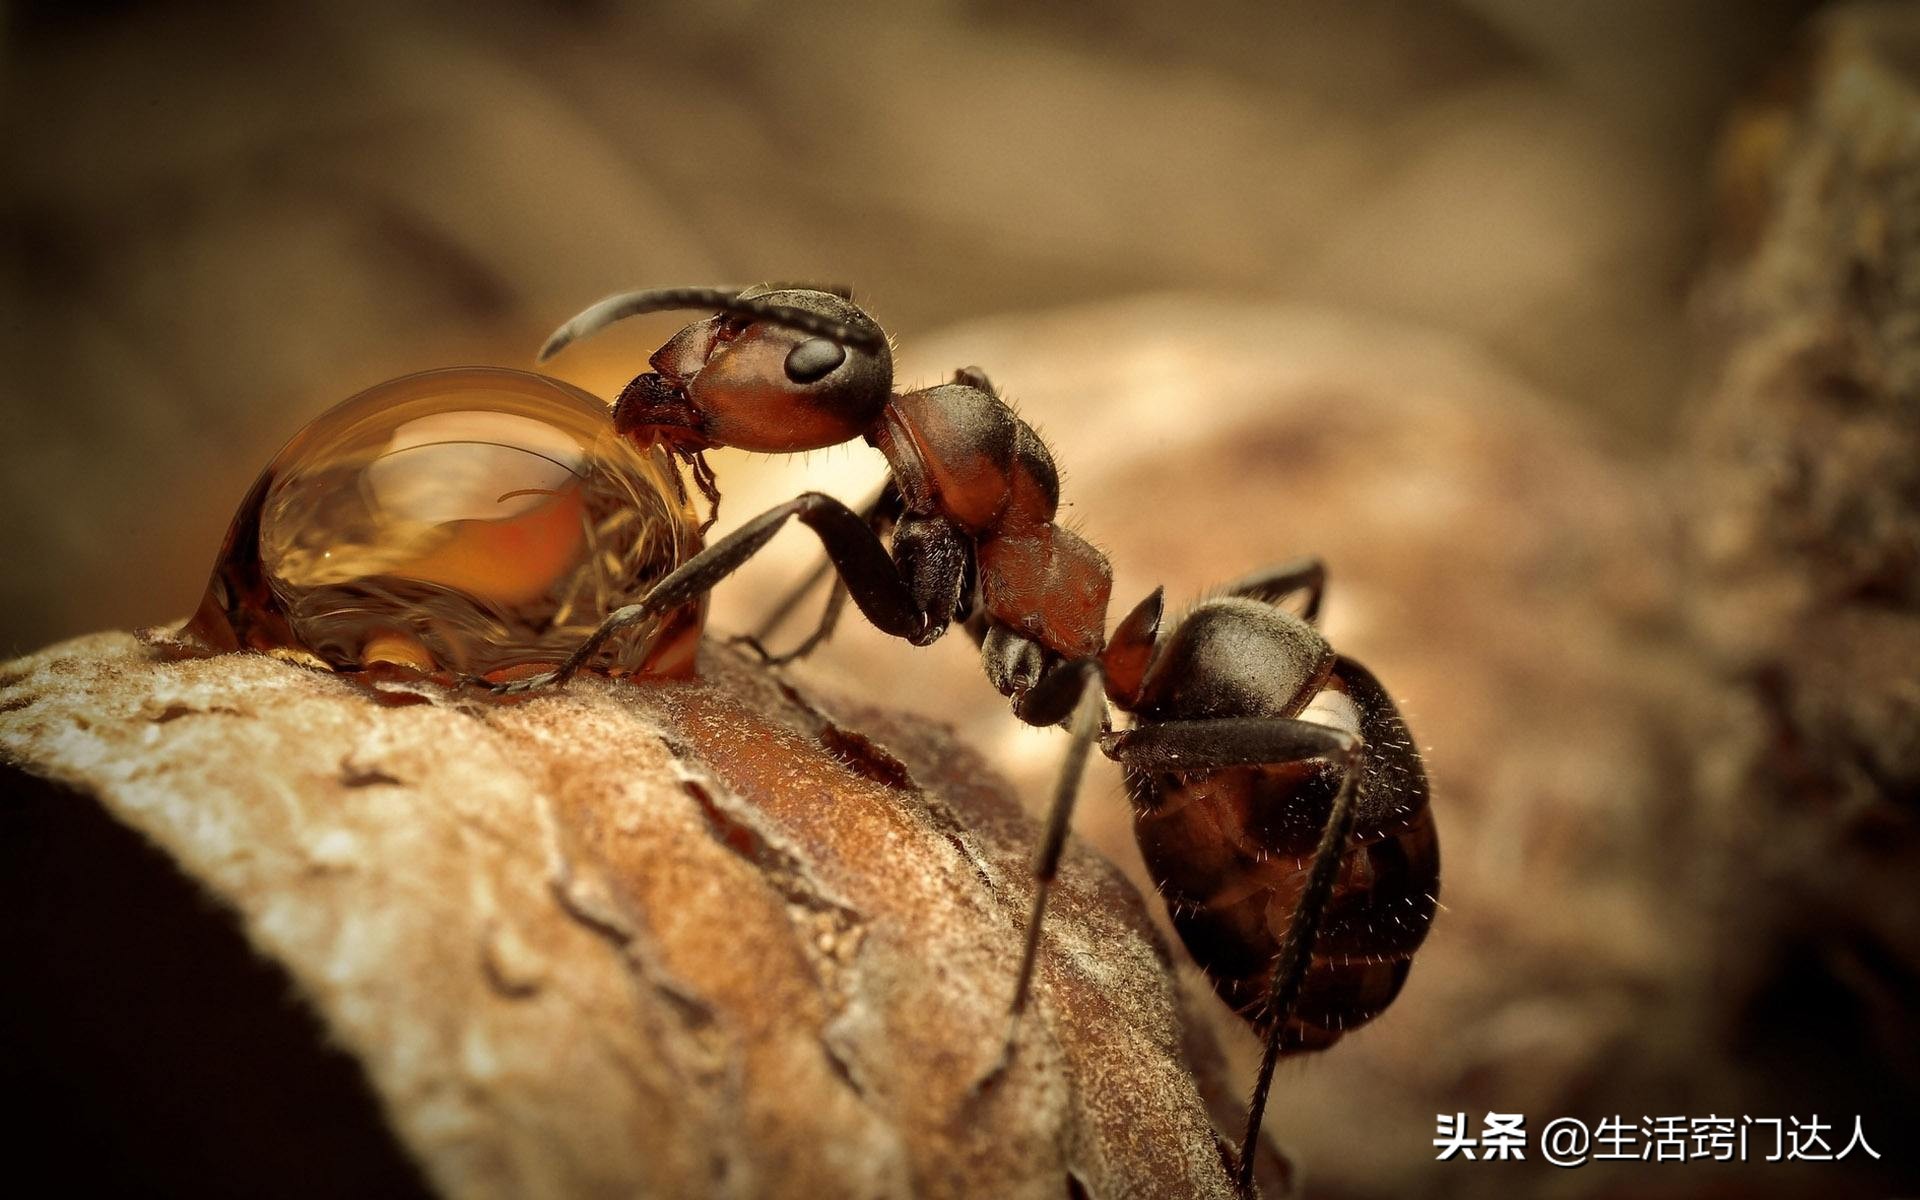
x=474 y=521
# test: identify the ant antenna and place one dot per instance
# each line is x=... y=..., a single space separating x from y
x=628 y=304
x=842 y=290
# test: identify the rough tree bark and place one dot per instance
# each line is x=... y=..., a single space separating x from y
x=683 y=940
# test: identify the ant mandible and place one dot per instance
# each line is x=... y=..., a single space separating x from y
x=1279 y=802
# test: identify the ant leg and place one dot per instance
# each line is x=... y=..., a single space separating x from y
x=709 y=487
x=1203 y=745
x=859 y=556
x=1071 y=691
x=1290 y=967
x=1014 y=662
x=974 y=377
x=829 y=618
x=880 y=512
x=1278 y=584
x=932 y=557
x=822 y=571
x=1209 y=745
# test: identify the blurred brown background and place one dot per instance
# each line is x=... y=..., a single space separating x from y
x=1413 y=285
x=220 y=219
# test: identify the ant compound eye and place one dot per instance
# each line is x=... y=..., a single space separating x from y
x=814 y=359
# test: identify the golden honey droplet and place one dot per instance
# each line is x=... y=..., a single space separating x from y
x=474 y=521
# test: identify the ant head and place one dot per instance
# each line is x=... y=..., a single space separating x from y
x=1236 y=657
x=775 y=370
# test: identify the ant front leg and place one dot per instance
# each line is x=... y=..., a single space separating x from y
x=1194 y=746
x=884 y=595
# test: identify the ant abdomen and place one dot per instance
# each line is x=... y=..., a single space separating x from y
x=1232 y=847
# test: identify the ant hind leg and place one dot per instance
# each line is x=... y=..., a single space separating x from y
x=974 y=377
x=1202 y=745
x=1278 y=584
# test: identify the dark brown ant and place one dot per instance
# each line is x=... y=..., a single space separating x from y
x=1279 y=802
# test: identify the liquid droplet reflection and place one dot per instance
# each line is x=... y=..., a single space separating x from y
x=476 y=521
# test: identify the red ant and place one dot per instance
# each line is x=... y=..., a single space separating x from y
x=1279 y=801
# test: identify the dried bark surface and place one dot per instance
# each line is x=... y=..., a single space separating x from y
x=687 y=940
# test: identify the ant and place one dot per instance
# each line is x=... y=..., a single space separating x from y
x=1279 y=801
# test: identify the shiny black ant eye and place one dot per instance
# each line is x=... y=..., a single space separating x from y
x=814 y=359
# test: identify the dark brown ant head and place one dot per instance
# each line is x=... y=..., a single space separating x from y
x=775 y=370
x=1236 y=657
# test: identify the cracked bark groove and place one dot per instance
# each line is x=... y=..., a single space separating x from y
x=691 y=940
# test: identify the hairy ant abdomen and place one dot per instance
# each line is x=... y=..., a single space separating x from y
x=1232 y=847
